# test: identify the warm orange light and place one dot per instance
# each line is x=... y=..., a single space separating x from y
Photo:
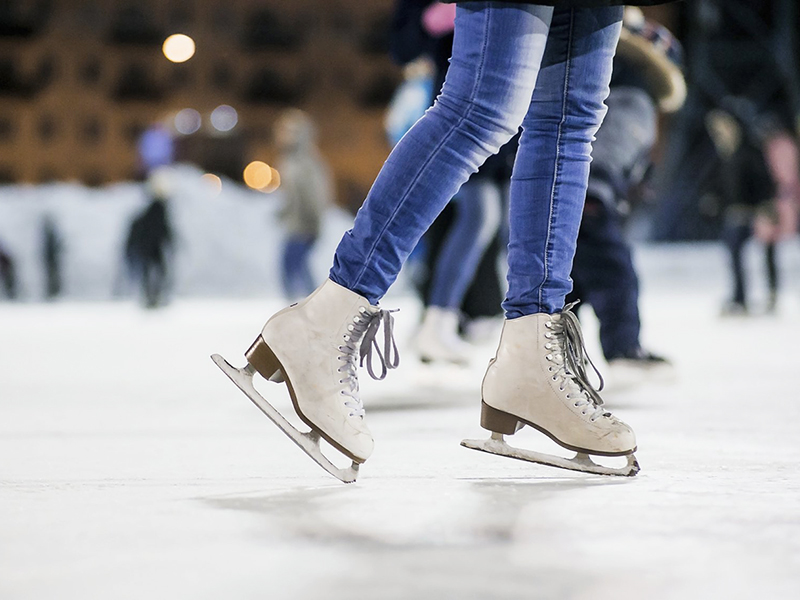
x=213 y=182
x=178 y=48
x=275 y=182
x=258 y=175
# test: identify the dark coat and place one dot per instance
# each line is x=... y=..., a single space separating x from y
x=581 y=3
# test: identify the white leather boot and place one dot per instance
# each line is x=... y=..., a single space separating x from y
x=538 y=378
x=314 y=346
x=438 y=339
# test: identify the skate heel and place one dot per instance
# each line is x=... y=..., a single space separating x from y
x=499 y=421
x=263 y=360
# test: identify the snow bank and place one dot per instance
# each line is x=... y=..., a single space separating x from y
x=227 y=242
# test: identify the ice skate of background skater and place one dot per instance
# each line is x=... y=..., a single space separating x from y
x=548 y=69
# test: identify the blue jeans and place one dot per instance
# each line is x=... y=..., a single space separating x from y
x=513 y=64
x=605 y=278
x=477 y=219
x=295 y=271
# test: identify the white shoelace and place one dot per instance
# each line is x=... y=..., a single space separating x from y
x=364 y=329
x=569 y=357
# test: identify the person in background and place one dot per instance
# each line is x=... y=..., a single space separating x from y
x=747 y=66
x=148 y=247
x=308 y=192
x=647 y=80
x=746 y=188
x=733 y=153
x=411 y=98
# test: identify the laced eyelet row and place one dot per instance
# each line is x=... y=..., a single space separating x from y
x=363 y=329
x=564 y=349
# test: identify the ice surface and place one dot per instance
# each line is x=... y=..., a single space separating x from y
x=130 y=467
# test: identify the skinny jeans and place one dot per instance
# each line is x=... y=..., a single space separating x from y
x=544 y=69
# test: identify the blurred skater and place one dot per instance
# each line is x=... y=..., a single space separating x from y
x=743 y=62
x=758 y=193
x=149 y=245
x=148 y=250
x=747 y=189
x=8 y=276
x=308 y=193
x=411 y=98
x=746 y=69
x=647 y=80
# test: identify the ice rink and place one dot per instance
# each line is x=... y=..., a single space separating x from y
x=130 y=467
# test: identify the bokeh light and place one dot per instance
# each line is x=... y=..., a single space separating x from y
x=188 y=121
x=178 y=48
x=275 y=182
x=258 y=175
x=224 y=118
x=213 y=182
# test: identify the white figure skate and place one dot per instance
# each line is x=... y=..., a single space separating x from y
x=438 y=340
x=639 y=367
x=313 y=346
x=538 y=378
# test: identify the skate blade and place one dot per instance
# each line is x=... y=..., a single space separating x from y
x=580 y=462
x=307 y=441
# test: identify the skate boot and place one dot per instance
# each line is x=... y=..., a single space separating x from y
x=314 y=347
x=438 y=339
x=639 y=366
x=538 y=378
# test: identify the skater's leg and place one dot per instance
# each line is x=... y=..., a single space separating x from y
x=551 y=171
x=604 y=265
x=149 y=284
x=304 y=277
x=477 y=219
x=296 y=278
x=315 y=345
x=485 y=294
x=772 y=273
x=287 y=268
x=735 y=235
x=478 y=214
x=538 y=376
x=161 y=280
x=497 y=50
x=7 y=274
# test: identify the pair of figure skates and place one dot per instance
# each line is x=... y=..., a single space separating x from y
x=537 y=378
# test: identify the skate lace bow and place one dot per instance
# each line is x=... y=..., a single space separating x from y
x=365 y=328
x=572 y=359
